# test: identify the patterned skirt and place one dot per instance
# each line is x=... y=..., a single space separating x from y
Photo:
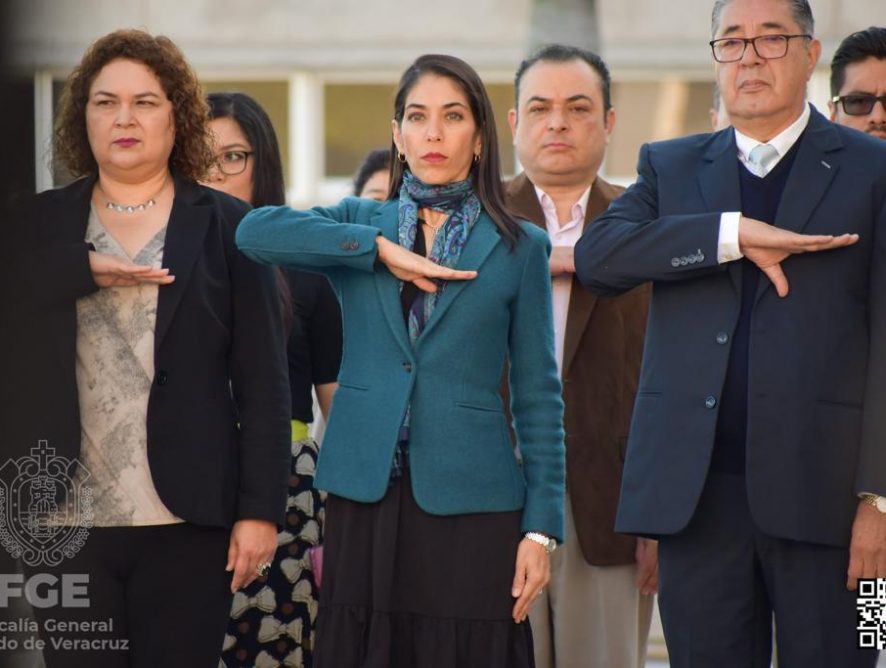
x=272 y=620
x=406 y=589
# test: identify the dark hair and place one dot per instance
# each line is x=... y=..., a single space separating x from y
x=856 y=47
x=375 y=161
x=192 y=152
x=485 y=172
x=561 y=53
x=800 y=9
x=268 y=186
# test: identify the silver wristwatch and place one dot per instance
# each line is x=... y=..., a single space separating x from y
x=548 y=543
x=878 y=502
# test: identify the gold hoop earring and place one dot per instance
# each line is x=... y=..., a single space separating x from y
x=401 y=157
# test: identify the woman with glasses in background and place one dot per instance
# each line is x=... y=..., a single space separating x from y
x=279 y=624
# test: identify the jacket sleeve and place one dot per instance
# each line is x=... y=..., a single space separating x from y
x=314 y=239
x=260 y=388
x=536 y=402
x=44 y=272
x=871 y=476
x=632 y=242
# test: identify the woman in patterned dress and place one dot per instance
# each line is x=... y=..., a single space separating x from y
x=272 y=621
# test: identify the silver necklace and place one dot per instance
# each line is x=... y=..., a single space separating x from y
x=133 y=208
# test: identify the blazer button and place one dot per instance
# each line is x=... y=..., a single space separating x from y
x=407 y=366
x=700 y=256
x=345 y=245
x=162 y=378
x=684 y=261
x=675 y=262
x=710 y=402
x=722 y=338
x=355 y=245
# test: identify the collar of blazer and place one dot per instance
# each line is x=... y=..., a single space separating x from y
x=188 y=221
x=482 y=240
x=524 y=201
x=815 y=166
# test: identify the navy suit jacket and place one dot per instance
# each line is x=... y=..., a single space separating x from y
x=817 y=364
x=461 y=459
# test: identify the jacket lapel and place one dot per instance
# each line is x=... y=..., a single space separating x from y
x=524 y=202
x=810 y=177
x=66 y=221
x=185 y=231
x=582 y=302
x=481 y=241
x=522 y=195
x=388 y=285
x=70 y=216
x=811 y=174
x=718 y=183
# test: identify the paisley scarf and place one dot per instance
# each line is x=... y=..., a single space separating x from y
x=459 y=202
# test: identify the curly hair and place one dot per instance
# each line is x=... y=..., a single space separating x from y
x=192 y=153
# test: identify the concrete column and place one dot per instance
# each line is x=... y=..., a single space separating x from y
x=306 y=134
x=43 y=105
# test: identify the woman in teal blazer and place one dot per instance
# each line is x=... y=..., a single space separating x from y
x=434 y=527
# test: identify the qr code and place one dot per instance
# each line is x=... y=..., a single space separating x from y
x=871 y=604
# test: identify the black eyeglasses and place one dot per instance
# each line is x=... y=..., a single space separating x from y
x=232 y=163
x=859 y=104
x=768 y=47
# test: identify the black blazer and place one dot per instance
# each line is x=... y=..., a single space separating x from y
x=218 y=412
x=817 y=366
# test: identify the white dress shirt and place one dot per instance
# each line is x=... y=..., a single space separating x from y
x=727 y=246
x=568 y=235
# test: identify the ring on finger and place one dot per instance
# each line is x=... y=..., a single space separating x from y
x=263 y=568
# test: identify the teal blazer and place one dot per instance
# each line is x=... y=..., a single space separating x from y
x=461 y=457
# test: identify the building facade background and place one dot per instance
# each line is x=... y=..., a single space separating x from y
x=326 y=70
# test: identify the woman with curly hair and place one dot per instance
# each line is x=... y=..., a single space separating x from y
x=166 y=361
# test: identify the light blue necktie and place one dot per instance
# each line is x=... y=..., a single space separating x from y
x=761 y=158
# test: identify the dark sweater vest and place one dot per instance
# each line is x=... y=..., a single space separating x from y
x=760 y=199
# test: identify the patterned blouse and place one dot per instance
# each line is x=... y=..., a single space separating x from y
x=115 y=369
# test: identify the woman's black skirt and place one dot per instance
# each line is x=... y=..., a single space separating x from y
x=405 y=589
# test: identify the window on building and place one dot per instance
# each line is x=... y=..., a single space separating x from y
x=678 y=108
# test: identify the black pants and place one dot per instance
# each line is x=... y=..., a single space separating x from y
x=721 y=581
x=158 y=595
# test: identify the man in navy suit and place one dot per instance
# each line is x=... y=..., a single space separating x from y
x=757 y=450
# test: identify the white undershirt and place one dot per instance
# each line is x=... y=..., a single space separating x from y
x=567 y=235
x=727 y=244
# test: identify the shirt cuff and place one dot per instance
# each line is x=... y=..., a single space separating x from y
x=727 y=243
